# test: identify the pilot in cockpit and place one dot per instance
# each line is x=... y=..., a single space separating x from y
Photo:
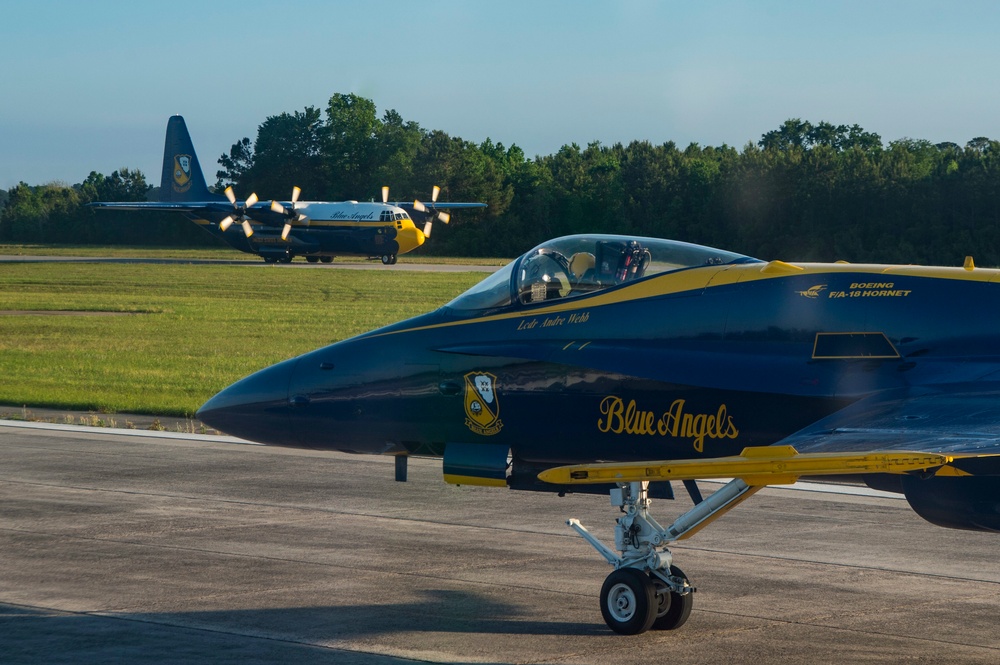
x=548 y=274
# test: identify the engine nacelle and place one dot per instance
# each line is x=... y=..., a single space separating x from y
x=971 y=503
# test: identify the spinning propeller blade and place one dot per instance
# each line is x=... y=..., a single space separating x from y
x=420 y=207
x=240 y=212
x=291 y=213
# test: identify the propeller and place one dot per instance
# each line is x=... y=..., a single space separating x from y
x=292 y=214
x=240 y=214
x=431 y=211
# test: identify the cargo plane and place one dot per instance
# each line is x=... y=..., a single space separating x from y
x=278 y=231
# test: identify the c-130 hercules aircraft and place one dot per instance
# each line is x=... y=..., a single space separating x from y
x=617 y=364
x=281 y=230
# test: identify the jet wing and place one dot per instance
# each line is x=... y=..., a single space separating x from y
x=940 y=431
x=186 y=206
x=408 y=205
x=259 y=212
x=949 y=419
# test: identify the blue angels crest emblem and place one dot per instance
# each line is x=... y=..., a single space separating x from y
x=182 y=173
x=482 y=408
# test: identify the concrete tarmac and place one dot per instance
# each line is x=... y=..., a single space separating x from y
x=169 y=548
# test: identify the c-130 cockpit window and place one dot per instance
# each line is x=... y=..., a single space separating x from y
x=577 y=265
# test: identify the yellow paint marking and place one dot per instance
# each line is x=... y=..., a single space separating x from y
x=707 y=277
x=762 y=465
x=474 y=480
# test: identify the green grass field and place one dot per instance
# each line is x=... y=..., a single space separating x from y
x=176 y=334
x=220 y=254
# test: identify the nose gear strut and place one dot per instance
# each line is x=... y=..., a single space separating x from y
x=646 y=590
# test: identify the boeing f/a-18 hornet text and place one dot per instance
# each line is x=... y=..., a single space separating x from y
x=281 y=230
x=613 y=364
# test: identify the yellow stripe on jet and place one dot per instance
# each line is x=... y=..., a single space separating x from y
x=706 y=277
x=478 y=481
x=762 y=465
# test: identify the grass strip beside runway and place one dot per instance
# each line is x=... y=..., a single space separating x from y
x=161 y=339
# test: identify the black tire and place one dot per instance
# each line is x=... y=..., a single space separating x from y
x=673 y=609
x=386 y=259
x=628 y=601
x=326 y=259
x=312 y=259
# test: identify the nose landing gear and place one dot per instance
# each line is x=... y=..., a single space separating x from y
x=646 y=591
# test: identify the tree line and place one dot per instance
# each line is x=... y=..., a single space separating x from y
x=803 y=191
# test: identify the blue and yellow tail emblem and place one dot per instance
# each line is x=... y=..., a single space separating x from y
x=182 y=173
x=482 y=408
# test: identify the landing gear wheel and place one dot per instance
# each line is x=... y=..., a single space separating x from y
x=673 y=609
x=270 y=259
x=312 y=259
x=326 y=259
x=285 y=259
x=389 y=259
x=628 y=601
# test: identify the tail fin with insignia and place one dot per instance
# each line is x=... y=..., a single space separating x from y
x=182 y=179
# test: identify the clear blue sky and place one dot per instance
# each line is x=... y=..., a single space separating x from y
x=89 y=85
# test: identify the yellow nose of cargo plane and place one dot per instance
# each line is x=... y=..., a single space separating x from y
x=409 y=237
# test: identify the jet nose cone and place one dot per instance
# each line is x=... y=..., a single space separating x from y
x=254 y=408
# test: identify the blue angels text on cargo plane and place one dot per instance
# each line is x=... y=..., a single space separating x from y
x=618 y=364
x=278 y=231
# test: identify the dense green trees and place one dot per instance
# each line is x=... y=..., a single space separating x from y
x=55 y=213
x=802 y=192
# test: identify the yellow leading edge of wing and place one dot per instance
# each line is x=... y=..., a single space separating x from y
x=763 y=465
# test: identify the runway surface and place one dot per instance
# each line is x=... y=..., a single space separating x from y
x=173 y=548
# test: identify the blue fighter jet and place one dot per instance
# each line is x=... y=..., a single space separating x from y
x=612 y=364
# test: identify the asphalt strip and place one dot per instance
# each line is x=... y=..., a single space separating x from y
x=210 y=438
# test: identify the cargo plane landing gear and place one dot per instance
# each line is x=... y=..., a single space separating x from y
x=388 y=259
x=646 y=590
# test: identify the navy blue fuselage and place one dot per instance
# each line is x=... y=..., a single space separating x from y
x=580 y=360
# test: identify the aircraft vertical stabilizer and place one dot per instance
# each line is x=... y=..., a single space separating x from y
x=182 y=179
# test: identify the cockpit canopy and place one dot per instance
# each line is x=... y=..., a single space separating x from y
x=392 y=214
x=578 y=265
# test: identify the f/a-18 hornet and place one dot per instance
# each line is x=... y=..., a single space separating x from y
x=618 y=364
